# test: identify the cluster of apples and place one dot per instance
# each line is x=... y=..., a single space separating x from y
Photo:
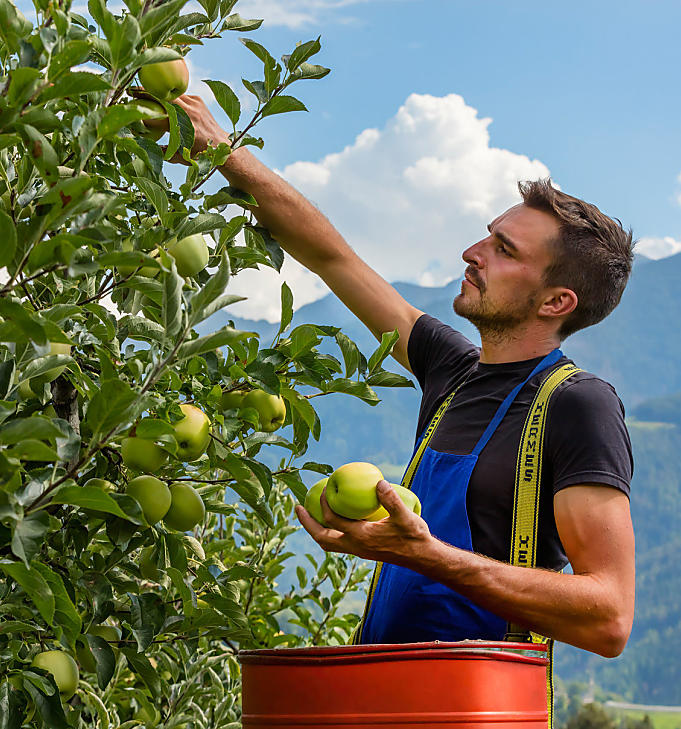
x=351 y=492
x=179 y=505
x=271 y=408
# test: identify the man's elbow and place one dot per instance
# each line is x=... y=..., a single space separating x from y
x=613 y=637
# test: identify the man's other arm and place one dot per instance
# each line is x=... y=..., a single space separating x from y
x=304 y=233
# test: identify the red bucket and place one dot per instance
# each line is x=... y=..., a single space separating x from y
x=427 y=685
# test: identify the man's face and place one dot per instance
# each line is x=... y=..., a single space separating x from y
x=503 y=282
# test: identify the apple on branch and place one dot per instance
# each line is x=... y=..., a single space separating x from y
x=63 y=668
x=187 y=509
x=191 y=254
x=271 y=409
x=142 y=454
x=165 y=80
x=192 y=433
x=152 y=495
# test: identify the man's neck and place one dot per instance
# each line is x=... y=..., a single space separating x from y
x=516 y=347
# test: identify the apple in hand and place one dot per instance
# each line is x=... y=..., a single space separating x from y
x=165 y=80
x=152 y=495
x=186 y=509
x=142 y=454
x=191 y=254
x=155 y=125
x=351 y=490
x=62 y=667
x=409 y=498
x=313 y=501
x=192 y=433
x=271 y=409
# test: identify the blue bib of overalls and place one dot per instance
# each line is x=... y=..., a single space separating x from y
x=408 y=607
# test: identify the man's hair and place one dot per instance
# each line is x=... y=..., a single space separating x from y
x=592 y=255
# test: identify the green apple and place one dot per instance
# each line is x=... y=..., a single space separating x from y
x=166 y=80
x=110 y=633
x=152 y=495
x=62 y=667
x=191 y=254
x=312 y=501
x=150 y=717
x=142 y=454
x=100 y=483
x=127 y=270
x=271 y=409
x=192 y=433
x=351 y=490
x=186 y=509
x=232 y=399
x=155 y=125
x=410 y=499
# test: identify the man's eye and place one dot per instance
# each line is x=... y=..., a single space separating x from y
x=504 y=250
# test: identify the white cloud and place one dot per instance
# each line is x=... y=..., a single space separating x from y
x=658 y=247
x=298 y=14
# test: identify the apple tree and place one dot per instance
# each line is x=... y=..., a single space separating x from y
x=145 y=514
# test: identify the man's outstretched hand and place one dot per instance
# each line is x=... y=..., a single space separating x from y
x=398 y=539
x=206 y=129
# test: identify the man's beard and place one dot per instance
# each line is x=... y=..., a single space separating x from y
x=494 y=322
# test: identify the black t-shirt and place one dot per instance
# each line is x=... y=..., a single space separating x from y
x=586 y=440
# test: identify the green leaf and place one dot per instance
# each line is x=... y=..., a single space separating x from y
x=202 y=223
x=41 y=153
x=157 y=55
x=91 y=497
x=389 y=379
x=388 y=341
x=228 y=100
x=213 y=289
x=124 y=40
x=281 y=105
x=302 y=53
x=35 y=586
x=141 y=329
x=12 y=707
x=32 y=450
x=308 y=71
x=172 y=303
x=72 y=53
x=74 y=83
x=286 y=307
x=105 y=659
x=8 y=236
x=108 y=407
x=38 y=426
x=221 y=338
x=236 y=22
x=140 y=666
x=350 y=387
x=65 y=613
x=49 y=706
x=350 y=352
x=231 y=196
x=155 y=194
x=28 y=535
x=295 y=483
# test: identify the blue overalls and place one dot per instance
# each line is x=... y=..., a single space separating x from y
x=407 y=607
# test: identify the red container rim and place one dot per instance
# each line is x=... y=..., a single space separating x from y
x=534 y=653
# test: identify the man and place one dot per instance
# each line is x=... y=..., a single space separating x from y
x=547 y=268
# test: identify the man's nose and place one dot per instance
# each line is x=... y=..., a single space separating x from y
x=473 y=255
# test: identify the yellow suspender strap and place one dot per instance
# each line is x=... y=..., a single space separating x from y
x=526 y=504
x=406 y=482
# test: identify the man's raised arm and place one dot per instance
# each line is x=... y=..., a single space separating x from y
x=308 y=236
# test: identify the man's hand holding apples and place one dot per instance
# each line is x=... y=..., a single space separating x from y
x=400 y=538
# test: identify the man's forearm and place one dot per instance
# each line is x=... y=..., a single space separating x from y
x=575 y=609
x=301 y=229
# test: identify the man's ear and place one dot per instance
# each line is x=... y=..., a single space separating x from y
x=558 y=302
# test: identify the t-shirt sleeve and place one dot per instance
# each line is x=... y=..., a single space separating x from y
x=588 y=438
x=434 y=345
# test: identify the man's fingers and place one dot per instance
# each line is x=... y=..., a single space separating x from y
x=390 y=499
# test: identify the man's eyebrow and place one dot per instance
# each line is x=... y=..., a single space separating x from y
x=502 y=237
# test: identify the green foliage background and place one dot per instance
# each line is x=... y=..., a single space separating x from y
x=86 y=213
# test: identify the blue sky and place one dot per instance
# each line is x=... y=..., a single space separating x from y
x=434 y=108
